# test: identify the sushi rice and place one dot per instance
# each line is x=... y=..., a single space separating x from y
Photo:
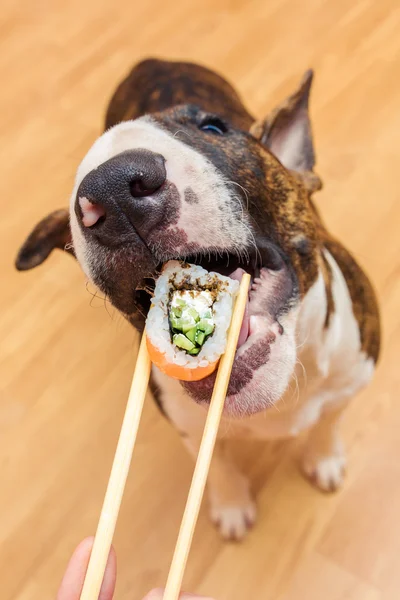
x=182 y=276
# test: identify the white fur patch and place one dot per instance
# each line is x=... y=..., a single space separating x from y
x=336 y=368
x=326 y=472
x=349 y=365
x=204 y=223
x=234 y=521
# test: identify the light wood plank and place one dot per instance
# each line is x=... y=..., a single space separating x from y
x=65 y=367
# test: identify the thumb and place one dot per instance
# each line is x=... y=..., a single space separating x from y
x=72 y=583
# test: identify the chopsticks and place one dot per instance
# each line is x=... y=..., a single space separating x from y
x=123 y=455
x=119 y=473
x=198 y=484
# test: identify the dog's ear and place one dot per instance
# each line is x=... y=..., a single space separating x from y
x=286 y=132
x=52 y=232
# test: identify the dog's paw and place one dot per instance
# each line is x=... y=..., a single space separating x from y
x=234 y=521
x=325 y=472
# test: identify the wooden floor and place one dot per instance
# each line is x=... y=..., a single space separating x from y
x=66 y=364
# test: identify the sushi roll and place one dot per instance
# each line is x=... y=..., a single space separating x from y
x=188 y=320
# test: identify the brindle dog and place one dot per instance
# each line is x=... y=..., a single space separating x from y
x=183 y=171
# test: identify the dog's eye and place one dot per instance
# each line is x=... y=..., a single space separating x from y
x=214 y=125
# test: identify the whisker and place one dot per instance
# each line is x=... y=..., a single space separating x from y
x=105 y=306
x=296 y=391
x=246 y=193
x=276 y=408
x=303 y=369
x=182 y=131
x=94 y=296
x=304 y=342
x=139 y=310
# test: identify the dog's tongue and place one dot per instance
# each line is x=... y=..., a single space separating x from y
x=244 y=331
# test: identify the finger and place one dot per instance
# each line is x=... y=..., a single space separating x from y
x=110 y=577
x=72 y=583
x=159 y=592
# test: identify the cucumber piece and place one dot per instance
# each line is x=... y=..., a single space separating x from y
x=200 y=337
x=176 y=312
x=194 y=351
x=182 y=325
x=191 y=334
x=190 y=325
x=206 y=326
x=192 y=312
x=187 y=324
x=182 y=341
x=175 y=323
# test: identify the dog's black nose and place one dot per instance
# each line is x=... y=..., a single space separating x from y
x=120 y=193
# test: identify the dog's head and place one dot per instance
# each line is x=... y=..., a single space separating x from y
x=188 y=184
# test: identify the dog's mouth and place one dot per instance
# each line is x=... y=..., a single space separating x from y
x=255 y=263
x=264 y=256
x=271 y=293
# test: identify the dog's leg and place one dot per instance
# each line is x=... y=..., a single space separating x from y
x=232 y=508
x=324 y=460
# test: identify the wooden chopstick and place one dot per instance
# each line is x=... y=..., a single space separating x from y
x=198 y=484
x=119 y=474
x=123 y=455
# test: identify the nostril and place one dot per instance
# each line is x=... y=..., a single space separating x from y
x=91 y=213
x=140 y=188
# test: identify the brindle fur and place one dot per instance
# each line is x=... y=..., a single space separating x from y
x=328 y=282
x=365 y=305
x=185 y=93
x=51 y=232
x=155 y=85
x=288 y=212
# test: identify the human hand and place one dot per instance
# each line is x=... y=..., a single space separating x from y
x=71 y=585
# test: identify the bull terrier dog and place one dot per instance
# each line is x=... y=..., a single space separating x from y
x=183 y=171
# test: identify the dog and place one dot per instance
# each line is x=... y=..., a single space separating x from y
x=183 y=171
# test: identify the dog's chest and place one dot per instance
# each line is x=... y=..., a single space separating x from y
x=294 y=412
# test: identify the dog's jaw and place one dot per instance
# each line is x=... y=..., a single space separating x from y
x=265 y=362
